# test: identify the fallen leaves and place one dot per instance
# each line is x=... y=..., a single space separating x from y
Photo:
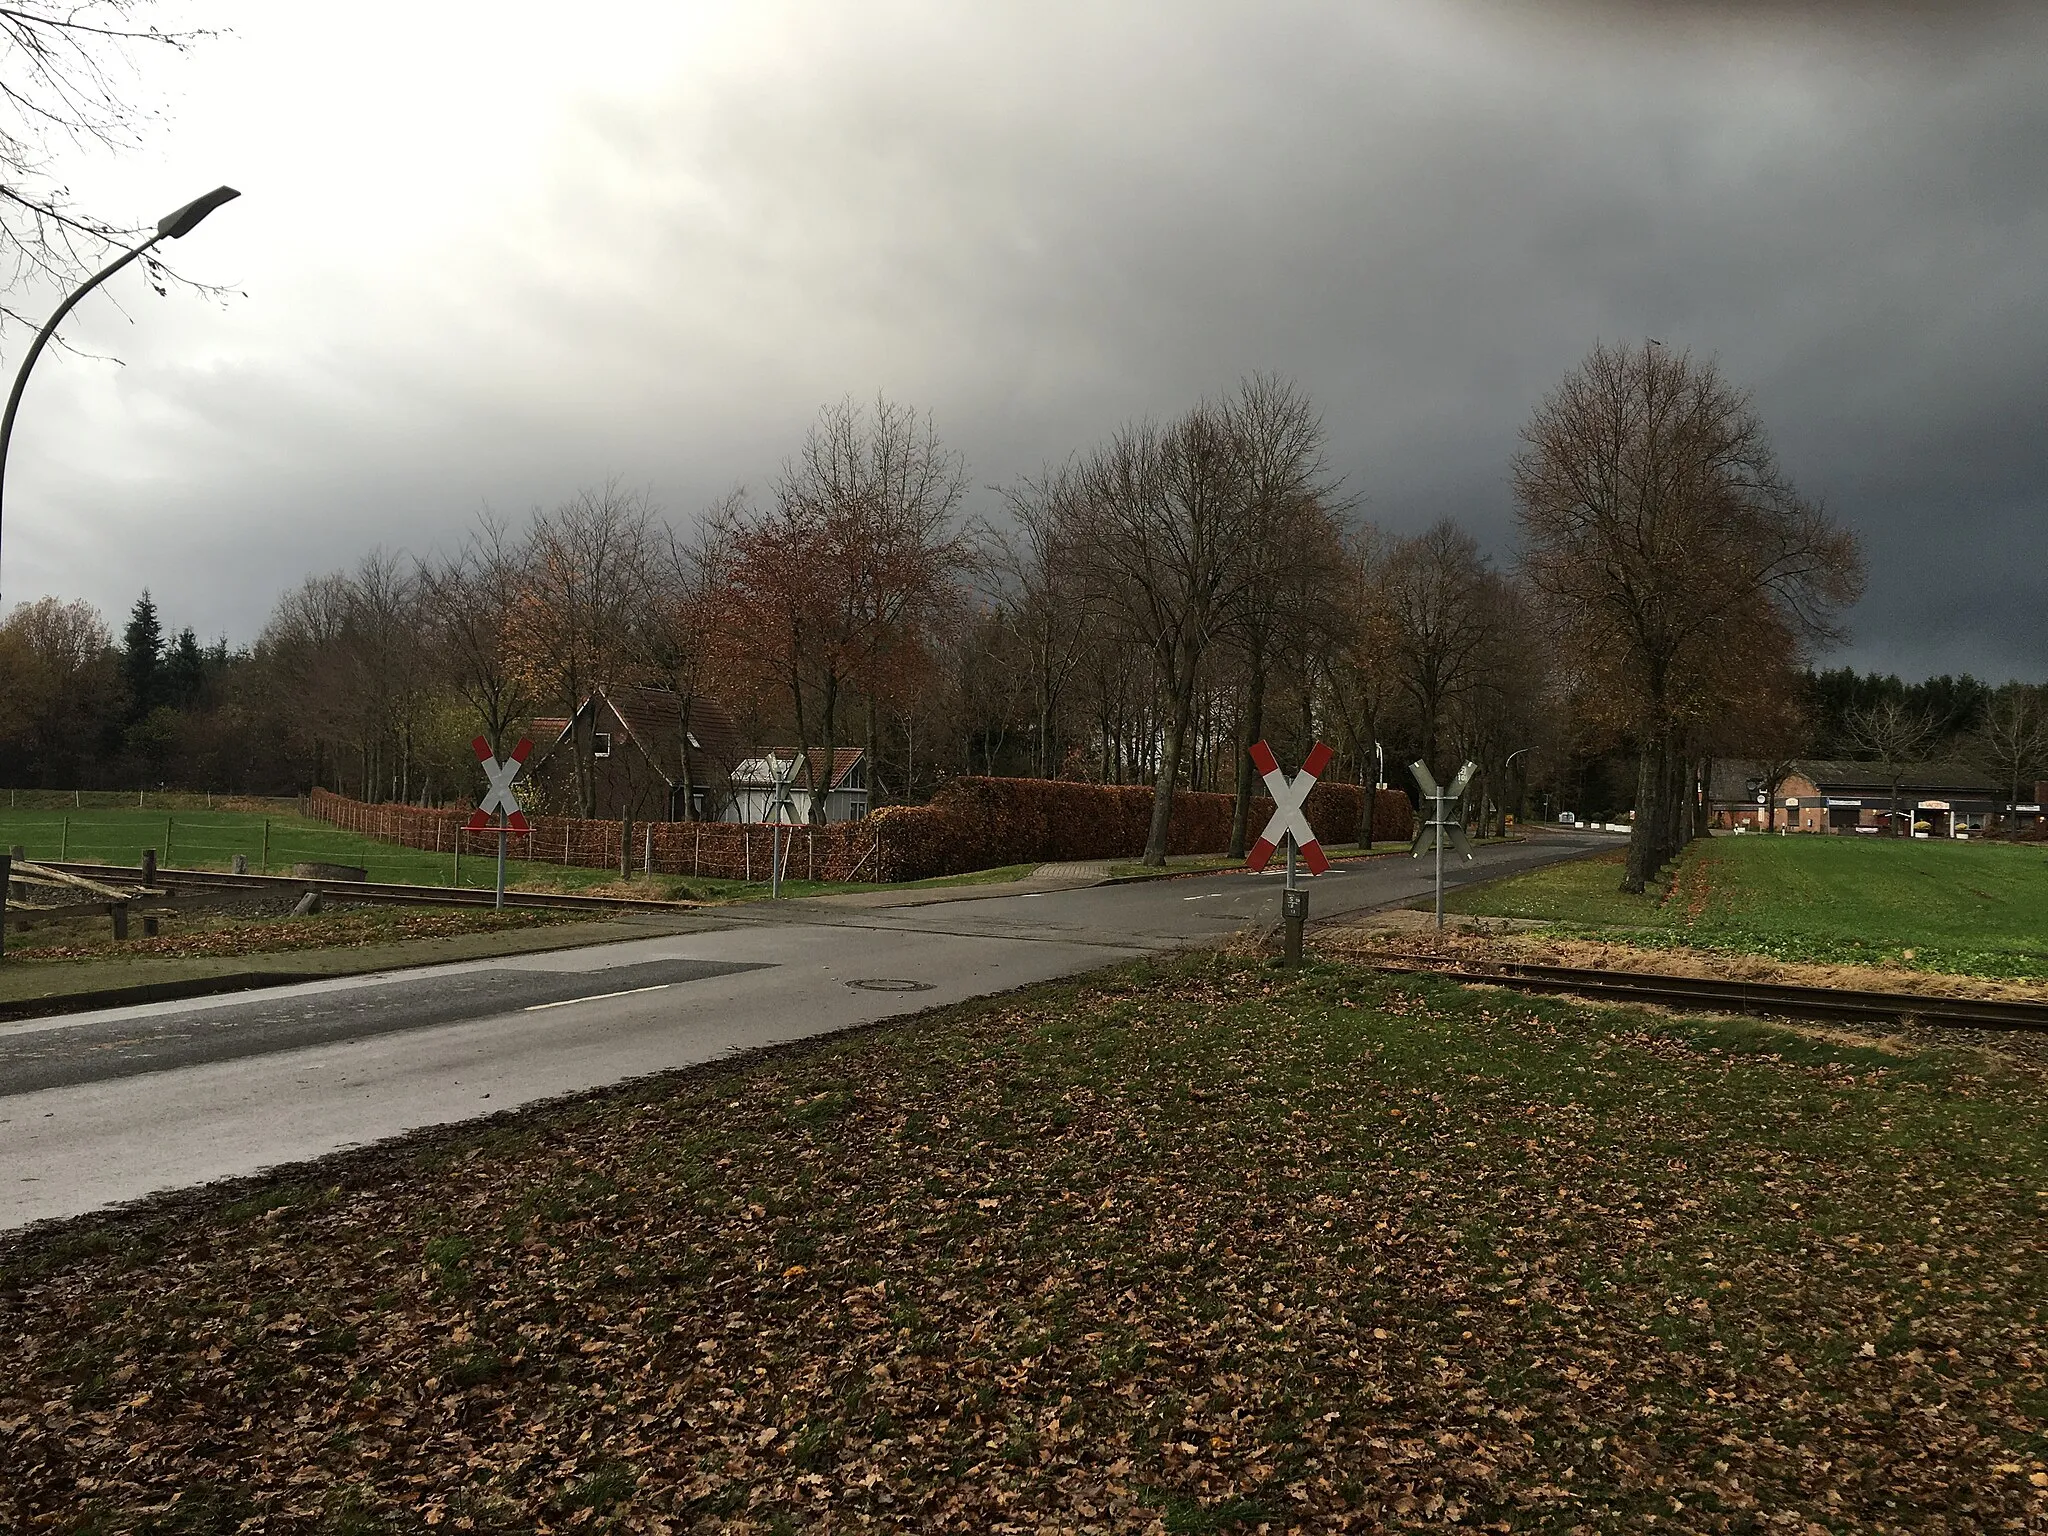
x=1134 y=1255
x=205 y=934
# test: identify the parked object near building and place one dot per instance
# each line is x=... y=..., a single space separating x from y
x=755 y=779
x=643 y=747
x=1852 y=798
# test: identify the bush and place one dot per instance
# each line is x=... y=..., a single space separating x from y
x=979 y=823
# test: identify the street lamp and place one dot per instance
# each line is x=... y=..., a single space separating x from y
x=1507 y=763
x=172 y=226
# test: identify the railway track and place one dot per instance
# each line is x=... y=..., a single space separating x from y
x=1762 y=998
x=366 y=890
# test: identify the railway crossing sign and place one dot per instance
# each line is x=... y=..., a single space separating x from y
x=1442 y=827
x=501 y=774
x=781 y=809
x=1288 y=819
x=499 y=801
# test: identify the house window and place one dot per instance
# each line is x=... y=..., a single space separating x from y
x=603 y=747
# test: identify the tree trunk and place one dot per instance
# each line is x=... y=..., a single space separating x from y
x=1169 y=771
x=869 y=749
x=586 y=766
x=683 y=776
x=1253 y=724
x=1643 y=861
x=821 y=788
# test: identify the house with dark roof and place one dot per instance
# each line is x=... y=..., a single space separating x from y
x=1935 y=799
x=653 y=759
x=756 y=779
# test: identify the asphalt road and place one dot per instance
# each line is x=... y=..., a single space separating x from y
x=100 y=1108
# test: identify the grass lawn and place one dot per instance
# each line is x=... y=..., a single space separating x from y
x=1189 y=1246
x=198 y=838
x=1974 y=908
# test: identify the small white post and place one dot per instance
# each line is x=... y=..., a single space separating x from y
x=1439 y=860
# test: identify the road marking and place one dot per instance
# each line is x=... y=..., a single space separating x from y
x=598 y=997
x=1206 y=895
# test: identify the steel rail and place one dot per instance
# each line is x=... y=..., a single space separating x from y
x=372 y=891
x=1765 y=998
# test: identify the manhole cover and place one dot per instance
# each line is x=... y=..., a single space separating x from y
x=890 y=984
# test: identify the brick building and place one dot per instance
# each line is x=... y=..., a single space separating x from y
x=1933 y=799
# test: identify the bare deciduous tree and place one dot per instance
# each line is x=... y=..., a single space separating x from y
x=1656 y=523
x=1356 y=670
x=1895 y=736
x=1291 y=552
x=851 y=566
x=1167 y=520
x=683 y=637
x=476 y=597
x=1042 y=598
x=70 y=77
x=1444 y=612
x=2013 y=741
x=586 y=586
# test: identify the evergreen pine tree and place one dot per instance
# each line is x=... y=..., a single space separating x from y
x=184 y=671
x=142 y=657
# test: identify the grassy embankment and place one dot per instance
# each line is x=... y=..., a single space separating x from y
x=203 y=940
x=1190 y=1245
x=1971 y=908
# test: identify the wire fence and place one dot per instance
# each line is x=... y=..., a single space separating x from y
x=717 y=850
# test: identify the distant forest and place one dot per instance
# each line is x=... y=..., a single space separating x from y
x=82 y=709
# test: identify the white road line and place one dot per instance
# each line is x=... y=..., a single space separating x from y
x=597 y=997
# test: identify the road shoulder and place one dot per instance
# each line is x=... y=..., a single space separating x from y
x=55 y=987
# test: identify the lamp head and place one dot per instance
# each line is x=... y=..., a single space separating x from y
x=181 y=223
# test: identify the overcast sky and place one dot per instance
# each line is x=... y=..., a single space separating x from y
x=489 y=259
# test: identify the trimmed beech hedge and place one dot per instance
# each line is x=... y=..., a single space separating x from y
x=979 y=823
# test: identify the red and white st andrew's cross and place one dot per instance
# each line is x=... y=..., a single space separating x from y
x=1288 y=817
x=501 y=775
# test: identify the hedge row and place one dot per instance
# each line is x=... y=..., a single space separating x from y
x=972 y=823
x=979 y=823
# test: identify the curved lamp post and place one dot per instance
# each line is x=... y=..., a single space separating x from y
x=172 y=226
x=1507 y=763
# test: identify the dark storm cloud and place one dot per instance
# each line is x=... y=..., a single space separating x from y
x=1040 y=221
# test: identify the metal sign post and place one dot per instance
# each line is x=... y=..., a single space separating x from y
x=1441 y=828
x=1289 y=828
x=778 y=808
x=499 y=802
